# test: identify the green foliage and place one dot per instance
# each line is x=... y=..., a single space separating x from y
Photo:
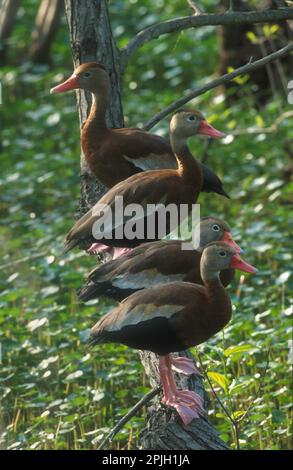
x=55 y=393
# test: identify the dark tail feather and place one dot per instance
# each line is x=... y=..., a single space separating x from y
x=69 y=245
x=94 y=340
x=223 y=193
x=88 y=292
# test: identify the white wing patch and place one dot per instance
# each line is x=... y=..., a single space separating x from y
x=151 y=277
x=153 y=162
x=142 y=313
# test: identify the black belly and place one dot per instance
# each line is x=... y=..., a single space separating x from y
x=154 y=335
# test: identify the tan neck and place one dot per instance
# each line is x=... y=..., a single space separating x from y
x=188 y=167
x=208 y=276
x=218 y=299
x=100 y=98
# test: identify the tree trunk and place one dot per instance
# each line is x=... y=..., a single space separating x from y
x=46 y=25
x=237 y=49
x=91 y=39
x=164 y=429
x=8 y=12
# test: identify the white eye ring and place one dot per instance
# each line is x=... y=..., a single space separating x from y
x=87 y=74
x=215 y=228
x=191 y=118
x=222 y=253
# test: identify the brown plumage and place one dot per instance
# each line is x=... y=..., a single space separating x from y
x=156 y=263
x=181 y=186
x=116 y=154
x=175 y=316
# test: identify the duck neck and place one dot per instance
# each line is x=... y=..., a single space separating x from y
x=219 y=300
x=188 y=167
x=209 y=277
x=97 y=116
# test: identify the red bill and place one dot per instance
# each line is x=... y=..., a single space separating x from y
x=206 y=129
x=229 y=239
x=239 y=263
x=70 y=84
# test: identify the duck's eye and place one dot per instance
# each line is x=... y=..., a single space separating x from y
x=222 y=253
x=191 y=118
x=215 y=228
x=87 y=74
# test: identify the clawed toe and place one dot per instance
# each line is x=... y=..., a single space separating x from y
x=191 y=399
x=184 y=365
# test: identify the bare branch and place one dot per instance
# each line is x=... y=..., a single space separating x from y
x=218 y=81
x=24 y=260
x=196 y=9
x=263 y=130
x=132 y=412
x=196 y=21
x=231 y=4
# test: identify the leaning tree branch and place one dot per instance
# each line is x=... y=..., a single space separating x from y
x=196 y=9
x=244 y=69
x=261 y=130
x=196 y=21
x=132 y=412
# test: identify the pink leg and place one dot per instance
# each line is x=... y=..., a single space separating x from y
x=168 y=394
x=120 y=252
x=96 y=248
x=187 y=396
x=187 y=403
x=184 y=365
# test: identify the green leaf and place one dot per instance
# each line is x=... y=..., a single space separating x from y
x=74 y=375
x=278 y=416
x=238 y=350
x=219 y=379
x=252 y=37
x=238 y=414
x=274 y=28
x=259 y=121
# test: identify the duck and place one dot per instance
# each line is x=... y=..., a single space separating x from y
x=113 y=155
x=149 y=189
x=173 y=317
x=155 y=263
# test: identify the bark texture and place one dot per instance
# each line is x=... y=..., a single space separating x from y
x=164 y=430
x=237 y=48
x=46 y=25
x=91 y=40
x=8 y=12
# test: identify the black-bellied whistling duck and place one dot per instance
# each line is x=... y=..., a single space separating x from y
x=151 y=264
x=173 y=317
x=113 y=155
x=180 y=186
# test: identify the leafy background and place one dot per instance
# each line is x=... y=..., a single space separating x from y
x=54 y=393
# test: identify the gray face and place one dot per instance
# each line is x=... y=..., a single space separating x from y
x=185 y=124
x=91 y=79
x=217 y=257
x=211 y=230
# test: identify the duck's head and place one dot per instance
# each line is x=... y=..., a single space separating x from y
x=219 y=255
x=213 y=230
x=90 y=76
x=187 y=123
